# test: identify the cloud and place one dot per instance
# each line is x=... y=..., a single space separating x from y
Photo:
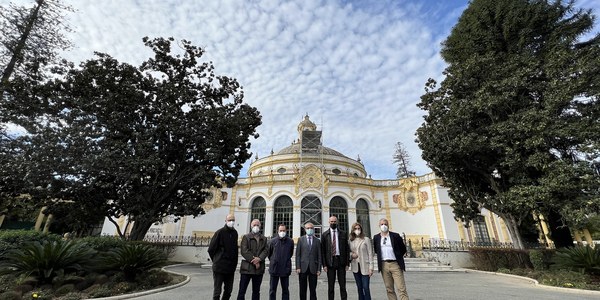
x=357 y=68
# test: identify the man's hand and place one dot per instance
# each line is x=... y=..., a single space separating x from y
x=370 y=273
x=298 y=271
x=325 y=269
x=318 y=273
x=255 y=260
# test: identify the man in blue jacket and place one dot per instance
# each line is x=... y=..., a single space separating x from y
x=281 y=250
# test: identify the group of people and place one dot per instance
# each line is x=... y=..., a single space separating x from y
x=334 y=253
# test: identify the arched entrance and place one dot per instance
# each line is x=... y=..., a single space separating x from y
x=311 y=211
x=339 y=207
x=283 y=213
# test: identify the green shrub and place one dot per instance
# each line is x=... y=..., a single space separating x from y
x=47 y=260
x=584 y=259
x=134 y=258
x=15 y=239
x=563 y=278
x=101 y=291
x=154 y=278
x=103 y=243
x=10 y=295
x=541 y=259
x=64 y=289
x=492 y=259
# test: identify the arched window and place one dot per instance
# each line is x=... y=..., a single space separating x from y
x=339 y=208
x=311 y=212
x=283 y=214
x=258 y=210
x=362 y=216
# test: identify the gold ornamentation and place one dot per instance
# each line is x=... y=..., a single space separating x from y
x=311 y=177
x=410 y=199
x=214 y=199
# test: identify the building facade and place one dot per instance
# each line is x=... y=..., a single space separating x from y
x=307 y=181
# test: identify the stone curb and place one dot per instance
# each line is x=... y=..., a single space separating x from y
x=536 y=283
x=148 y=292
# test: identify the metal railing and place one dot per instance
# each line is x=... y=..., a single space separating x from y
x=193 y=240
x=434 y=244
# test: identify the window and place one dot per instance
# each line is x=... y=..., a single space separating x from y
x=481 y=233
x=283 y=214
x=281 y=170
x=339 y=208
x=311 y=212
x=362 y=216
x=336 y=171
x=258 y=210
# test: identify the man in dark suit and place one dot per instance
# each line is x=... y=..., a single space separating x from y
x=308 y=261
x=390 y=250
x=336 y=257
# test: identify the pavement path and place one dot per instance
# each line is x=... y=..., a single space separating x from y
x=421 y=286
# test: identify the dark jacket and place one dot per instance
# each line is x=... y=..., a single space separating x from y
x=223 y=250
x=397 y=245
x=308 y=258
x=326 y=254
x=280 y=256
x=253 y=246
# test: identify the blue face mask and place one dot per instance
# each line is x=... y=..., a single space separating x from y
x=310 y=231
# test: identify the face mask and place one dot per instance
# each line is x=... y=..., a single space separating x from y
x=384 y=228
x=333 y=226
x=255 y=229
x=310 y=231
x=357 y=232
x=282 y=234
x=230 y=224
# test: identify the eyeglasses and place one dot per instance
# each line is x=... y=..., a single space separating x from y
x=384 y=241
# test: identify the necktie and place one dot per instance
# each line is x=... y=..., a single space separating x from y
x=333 y=245
x=310 y=242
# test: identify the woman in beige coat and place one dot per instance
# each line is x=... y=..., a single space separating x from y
x=361 y=252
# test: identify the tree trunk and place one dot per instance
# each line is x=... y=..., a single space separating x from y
x=139 y=230
x=513 y=230
x=17 y=53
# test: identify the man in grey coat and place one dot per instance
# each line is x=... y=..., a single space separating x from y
x=254 y=252
x=308 y=261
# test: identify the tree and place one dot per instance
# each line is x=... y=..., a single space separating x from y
x=514 y=125
x=143 y=142
x=31 y=37
x=402 y=158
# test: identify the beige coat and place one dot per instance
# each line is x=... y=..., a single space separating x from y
x=364 y=249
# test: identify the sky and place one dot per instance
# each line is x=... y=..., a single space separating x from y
x=357 y=68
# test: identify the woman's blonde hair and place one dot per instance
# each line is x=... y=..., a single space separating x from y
x=353 y=236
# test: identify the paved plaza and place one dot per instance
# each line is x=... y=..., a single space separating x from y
x=421 y=286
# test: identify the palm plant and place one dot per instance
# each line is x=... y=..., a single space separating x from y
x=134 y=258
x=585 y=259
x=47 y=260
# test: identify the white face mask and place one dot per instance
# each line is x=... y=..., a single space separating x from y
x=282 y=234
x=310 y=231
x=230 y=224
x=357 y=232
x=384 y=228
x=255 y=229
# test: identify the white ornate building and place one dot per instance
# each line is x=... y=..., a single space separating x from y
x=309 y=182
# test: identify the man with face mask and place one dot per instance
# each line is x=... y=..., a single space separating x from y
x=254 y=252
x=390 y=250
x=335 y=252
x=223 y=252
x=308 y=261
x=281 y=249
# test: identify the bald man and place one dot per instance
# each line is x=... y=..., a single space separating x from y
x=223 y=252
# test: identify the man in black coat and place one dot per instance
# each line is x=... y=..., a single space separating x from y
x=335 y=253
x=223 y=252
x=390 y=250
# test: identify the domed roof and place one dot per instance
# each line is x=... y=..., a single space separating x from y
x=295 y=148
